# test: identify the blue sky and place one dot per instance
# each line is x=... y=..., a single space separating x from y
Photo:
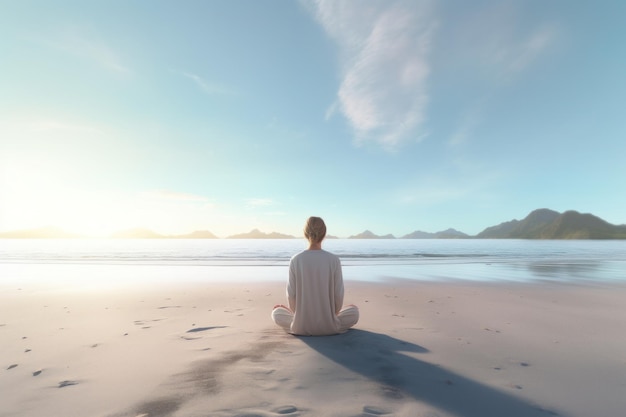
x=392 y=116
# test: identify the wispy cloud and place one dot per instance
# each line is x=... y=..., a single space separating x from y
x=471 y=182
x=469 y=122
x=204 y=85
x=430 y=194
x=55 y=125
x=277 y=213
x=384 y=48
x=259 y=202
x=19 y=129
x=95 y=50
x=169 y=195
x=495 y=45
x=524 y=52
x=499 y=38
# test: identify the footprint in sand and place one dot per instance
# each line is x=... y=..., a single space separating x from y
x=12 y=366
x=392 y=392
x=376 y=411
x=200 y=329
x=203 y=329
x=283 y=410
x=67 y=383
x=250 y=415
x=143 y=322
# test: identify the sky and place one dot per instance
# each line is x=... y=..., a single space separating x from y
x=391 y=116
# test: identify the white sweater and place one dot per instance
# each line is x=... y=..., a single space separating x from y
x=315 y=292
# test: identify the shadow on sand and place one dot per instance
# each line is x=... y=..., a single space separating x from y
x=379 y=358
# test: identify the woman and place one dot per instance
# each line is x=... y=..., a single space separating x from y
x=315 y=290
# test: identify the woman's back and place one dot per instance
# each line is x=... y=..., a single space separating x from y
x=315 y=292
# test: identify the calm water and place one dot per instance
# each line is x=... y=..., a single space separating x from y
x=94 y=260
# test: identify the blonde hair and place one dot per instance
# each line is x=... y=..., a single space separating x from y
x=315 y=229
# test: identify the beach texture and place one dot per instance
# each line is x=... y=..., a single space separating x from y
x=420 y=349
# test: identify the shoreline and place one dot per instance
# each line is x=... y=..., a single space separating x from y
x=454 y=348
x=106 y=276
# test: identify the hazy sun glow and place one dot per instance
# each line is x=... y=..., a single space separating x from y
x=37 y=195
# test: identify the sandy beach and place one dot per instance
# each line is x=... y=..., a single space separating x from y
x=210 y=349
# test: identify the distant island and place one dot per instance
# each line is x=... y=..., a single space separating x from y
x=369 y=235
x=549 y=224
x=445 y=234
x=539 y=224
x=257 y=234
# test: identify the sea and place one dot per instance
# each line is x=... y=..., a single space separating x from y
x=77 y=263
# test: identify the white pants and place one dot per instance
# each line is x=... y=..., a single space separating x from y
x=348 y=317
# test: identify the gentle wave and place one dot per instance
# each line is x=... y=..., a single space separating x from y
x=363 y=259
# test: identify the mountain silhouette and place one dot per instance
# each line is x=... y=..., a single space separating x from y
x=444 y=234
x=137 y=233
x=549 y=224
x=257 y=234
x=198 y=234
x=369 y=235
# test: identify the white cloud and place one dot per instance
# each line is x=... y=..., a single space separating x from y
x=384 y=48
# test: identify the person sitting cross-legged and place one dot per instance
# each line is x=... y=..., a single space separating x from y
x=315 y=290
